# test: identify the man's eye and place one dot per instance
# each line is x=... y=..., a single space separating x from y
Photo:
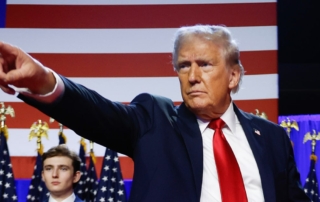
x=204 y=64
x=64 y=168
x=47 y=168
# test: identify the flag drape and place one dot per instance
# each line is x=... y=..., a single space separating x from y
x=311 y=184
x=80 y=188
x=62 y=138
x=37 y=190
x=7 y=183
x=92 y=180
x=111 y=186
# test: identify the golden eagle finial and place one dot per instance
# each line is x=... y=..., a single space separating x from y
x=3 y=112
x=288 y=125
x=38 y=130
x=262 y=115
x=313 y=137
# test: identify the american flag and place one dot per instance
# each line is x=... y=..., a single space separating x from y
x=92 y=180
x=62 y=138
x=111 y=185
x=120 y=46
x=311 y=184
x=80 y=189
x=7 y=183
x=37 y=189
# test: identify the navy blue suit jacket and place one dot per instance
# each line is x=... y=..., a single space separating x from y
x=166 y=144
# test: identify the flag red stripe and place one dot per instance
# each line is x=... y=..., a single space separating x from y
x=23 y=166
x=269 y=106
x=139 y=16
x=141 y=65
x=27 y=115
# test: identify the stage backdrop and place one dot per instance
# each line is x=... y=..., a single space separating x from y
x=122 y=48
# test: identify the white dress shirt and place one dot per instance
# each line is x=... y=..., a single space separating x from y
x=238 y=142
x=70 y=198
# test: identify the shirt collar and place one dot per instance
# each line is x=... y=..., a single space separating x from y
x=229 y=117
x=70 y=198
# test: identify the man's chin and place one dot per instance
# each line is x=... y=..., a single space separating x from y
x=203 y=111
x=196 y=108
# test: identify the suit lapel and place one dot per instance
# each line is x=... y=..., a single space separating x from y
x=190 y=132
x=256 y=139
x=77 y=199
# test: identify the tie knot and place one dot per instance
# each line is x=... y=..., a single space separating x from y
x=216 y=124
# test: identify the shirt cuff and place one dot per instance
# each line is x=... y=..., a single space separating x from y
x=49 y=97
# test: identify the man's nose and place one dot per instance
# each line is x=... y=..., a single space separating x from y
x=194 y=73
x=55 y=173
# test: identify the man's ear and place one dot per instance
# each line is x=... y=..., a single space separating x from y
x=76 y=176
x=234 y=77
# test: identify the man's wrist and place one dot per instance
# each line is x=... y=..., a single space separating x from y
x=50 y=97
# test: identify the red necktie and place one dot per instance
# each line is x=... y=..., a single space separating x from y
x=229 y=174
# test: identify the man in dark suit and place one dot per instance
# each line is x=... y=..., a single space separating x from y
x=206 y=149
x=61 y=172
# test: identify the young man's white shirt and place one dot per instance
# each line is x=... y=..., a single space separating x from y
x=70 y=198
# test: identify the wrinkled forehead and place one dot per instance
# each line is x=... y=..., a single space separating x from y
x=199 y=43
x=206 y=38
x=189 y=37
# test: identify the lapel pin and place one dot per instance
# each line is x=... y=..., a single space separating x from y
x=257 y=132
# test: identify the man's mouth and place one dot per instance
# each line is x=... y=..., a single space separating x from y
x=55 y=183
x=195 y=92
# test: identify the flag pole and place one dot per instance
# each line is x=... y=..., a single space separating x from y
x=311 y=184
x=3 y=112
x=7 y=176
x=38 y=130
x=62 y=137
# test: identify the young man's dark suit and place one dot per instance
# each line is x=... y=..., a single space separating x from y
x=166 y=144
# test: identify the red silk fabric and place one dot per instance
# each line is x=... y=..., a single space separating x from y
x=230 y=179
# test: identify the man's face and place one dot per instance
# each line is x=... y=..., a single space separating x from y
x=205 y=79
x=59 y=176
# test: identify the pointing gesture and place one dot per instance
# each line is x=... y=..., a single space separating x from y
x=19 y=69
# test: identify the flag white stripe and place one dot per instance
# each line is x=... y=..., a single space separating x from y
x=129 y=2
x=264 y=86
x=124 y=40
x=18 y=139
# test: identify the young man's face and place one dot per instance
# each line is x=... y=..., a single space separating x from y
x=58 y=175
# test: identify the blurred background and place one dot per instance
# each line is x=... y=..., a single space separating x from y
x=298 y=57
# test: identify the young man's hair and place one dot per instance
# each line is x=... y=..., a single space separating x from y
x=62 y=150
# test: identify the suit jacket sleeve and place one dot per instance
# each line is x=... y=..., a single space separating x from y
x=96 y=118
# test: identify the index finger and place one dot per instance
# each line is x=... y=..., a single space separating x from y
x=7 y=49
